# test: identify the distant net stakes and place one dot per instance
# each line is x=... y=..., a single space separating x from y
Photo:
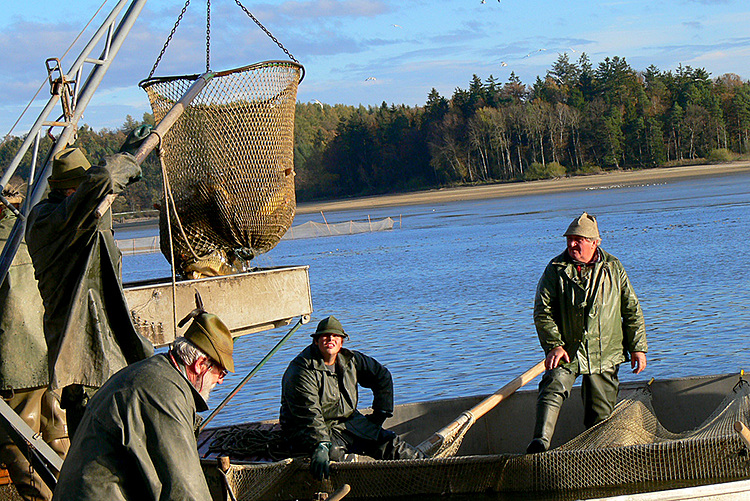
x=229 y=166
x=312 y=229
x=140 y=245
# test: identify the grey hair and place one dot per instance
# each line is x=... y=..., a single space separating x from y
x=186 y=351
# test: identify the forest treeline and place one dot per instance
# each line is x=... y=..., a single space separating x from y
x=577 y=119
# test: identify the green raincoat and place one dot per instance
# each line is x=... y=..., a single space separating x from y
x=314 y=400
x=136 y=440
x=598 y=322
x=23 y=351
x=89 y=331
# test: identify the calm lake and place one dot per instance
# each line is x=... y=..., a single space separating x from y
x=445 y=298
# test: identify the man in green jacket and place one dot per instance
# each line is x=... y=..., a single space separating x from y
x=319 y=398
x=137 y=438
x=87 y=323
x=589 y=321
x=23 y=365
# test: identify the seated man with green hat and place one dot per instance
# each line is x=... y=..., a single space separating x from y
x=137 y=437
x=319 y=398
x=87 y=323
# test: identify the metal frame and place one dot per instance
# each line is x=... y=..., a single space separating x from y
x=75 y=97
x=41 y=456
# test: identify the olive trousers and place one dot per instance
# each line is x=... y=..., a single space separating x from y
x=360 y=435
x=598 y=391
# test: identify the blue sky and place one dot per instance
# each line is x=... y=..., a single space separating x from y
x=409 y=47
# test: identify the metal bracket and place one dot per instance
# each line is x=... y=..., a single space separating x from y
x=60 y=86
x=41 y=456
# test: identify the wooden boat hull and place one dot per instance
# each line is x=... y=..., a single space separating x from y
x=491 y=457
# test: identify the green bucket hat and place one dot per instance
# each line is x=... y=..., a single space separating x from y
x=330 y=325
x=68 y=169
x=212 y=337
x=584 y=226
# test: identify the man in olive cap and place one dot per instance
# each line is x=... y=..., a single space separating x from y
x=589 y=321
x=137 y=437
x=87 y=324
x=319 y=397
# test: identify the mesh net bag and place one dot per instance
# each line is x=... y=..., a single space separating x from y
x=229 y=164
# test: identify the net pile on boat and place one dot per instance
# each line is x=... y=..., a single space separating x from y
x=631 y=449
x=229 y=165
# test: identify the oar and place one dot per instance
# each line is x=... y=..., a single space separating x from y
x=339 y=493
x=436 y=441
x=743 y=432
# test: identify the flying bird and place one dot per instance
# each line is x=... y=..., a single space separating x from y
x=503 y=63
x=483 y=1
x=370 y=78
x=530 y=53
x=396 y=26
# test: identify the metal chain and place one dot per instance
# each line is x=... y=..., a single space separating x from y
x=169 y=38
x=208 y=35
x=266 y=31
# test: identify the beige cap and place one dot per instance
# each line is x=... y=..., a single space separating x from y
x=584 y=226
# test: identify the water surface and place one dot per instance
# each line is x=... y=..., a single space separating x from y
x=445 y=298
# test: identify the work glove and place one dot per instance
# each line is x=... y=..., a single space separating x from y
x=320 y=461
x=377 y=417
x=135 y=139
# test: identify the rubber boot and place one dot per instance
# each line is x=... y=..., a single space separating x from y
x=546 y=419
x=26 y=481
x=53 y=425
x=27 y=404
x=390 y=446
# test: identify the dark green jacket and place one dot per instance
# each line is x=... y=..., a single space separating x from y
x=136 y=439
x=87 y=324
x=23 y=351
x=314 y=400
x=597 y=323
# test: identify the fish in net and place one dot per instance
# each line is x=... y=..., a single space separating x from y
x=228 y=165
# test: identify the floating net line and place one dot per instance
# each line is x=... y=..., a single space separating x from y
x=229 y=165
x=631 y=451
x=312 y=229
x=139 y=245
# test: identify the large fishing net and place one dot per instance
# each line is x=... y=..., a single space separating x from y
x=631 y=450
x=229 y=166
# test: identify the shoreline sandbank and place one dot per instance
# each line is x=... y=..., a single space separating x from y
x=515 y=189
